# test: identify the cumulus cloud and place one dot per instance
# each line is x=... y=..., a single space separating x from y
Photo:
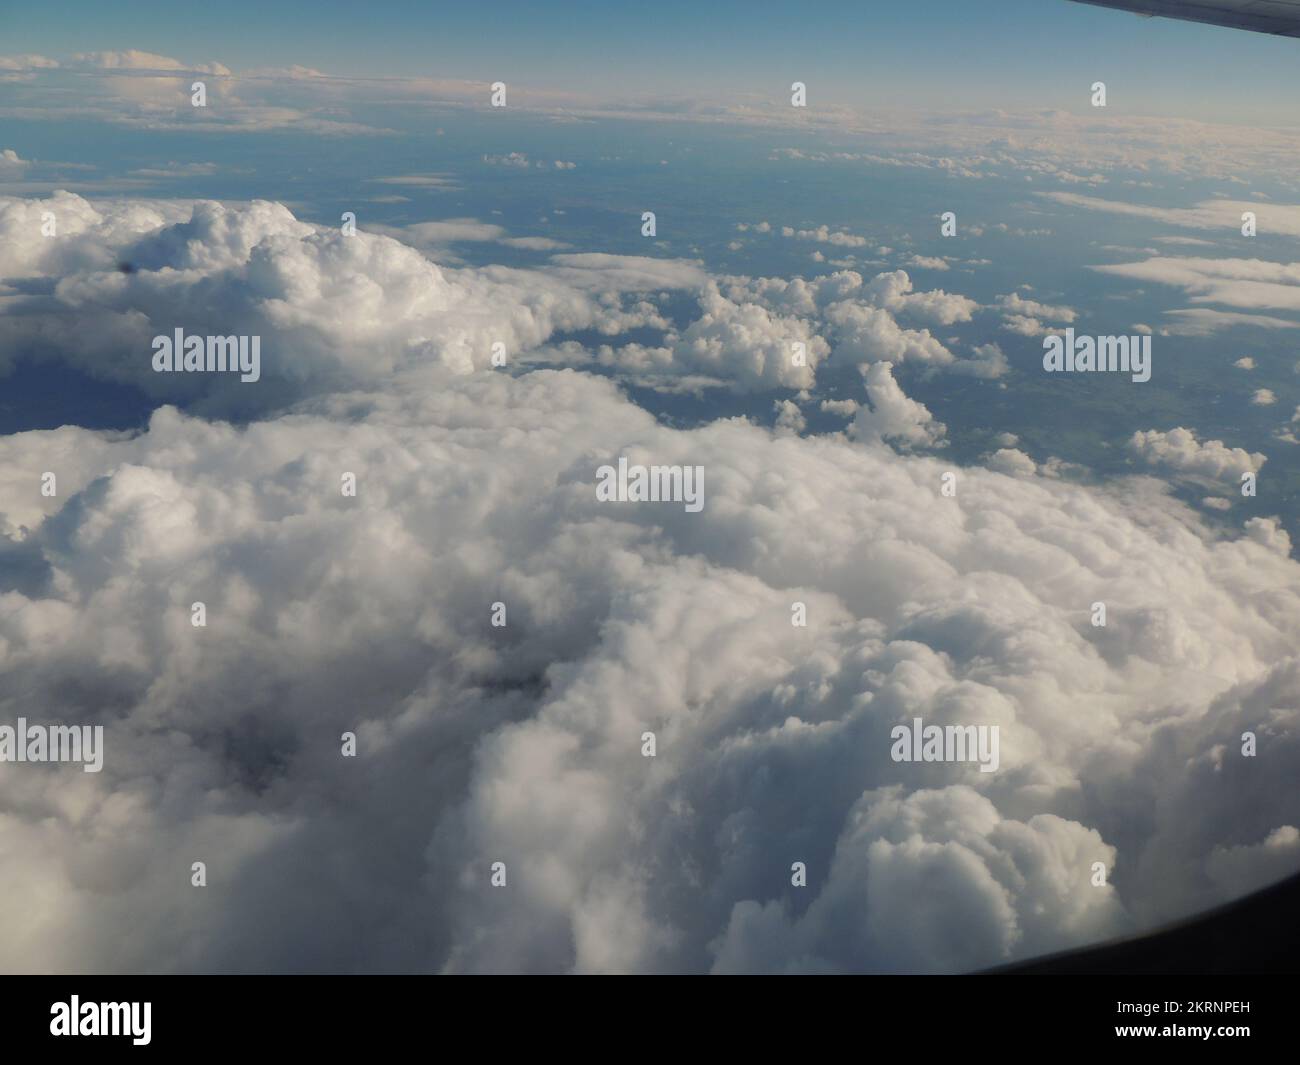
x=1014 y=303
x=894 y=292
x=335 y=310
x=844 y=408
x=892 y=415
x=824 y=235
x=331 y=309
x=1012 y=461
x=522 y=744
x=789 y=418
x=1023 y=326
x=11 y=163
x=1025 y=317
x=1179 y=450
x=748 y=325
x=744 y=344
x=928 y=262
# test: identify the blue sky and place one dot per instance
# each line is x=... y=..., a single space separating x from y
x=929 y=53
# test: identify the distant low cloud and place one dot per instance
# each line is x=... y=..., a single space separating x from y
x=1180 y=451
x=1222 y=215
x=11 y=164
x=1248 y=284
x=826 y=235
x=520 y=161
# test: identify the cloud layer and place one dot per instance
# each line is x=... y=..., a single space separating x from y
x=522 y=744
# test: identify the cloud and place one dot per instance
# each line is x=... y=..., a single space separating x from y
x=28 y=62
x=1203 y=321
x=335 y=311
x=434 y=238
x=1035 y=145
x=858 y=317
x=522 y=744
x=1010 y=460
x=332 y=310
x=742 y=343
x=843 y=408
x=137 y=61
x=892 y=415
x=177 y=170
x=142 y=89
x=420 y=181
x=11 y=164
x=928 y=262
x=789 y=418
x=1251 y=284
x=1025 y=327
x=1015 y=304
x=825 y=235
x=1180 y=450
x=446 y=231
x=1022 y=316
x=1225 y=215
x=520 y=161
x=867 y=334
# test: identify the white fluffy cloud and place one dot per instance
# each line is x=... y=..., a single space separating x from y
x=1012 y=461
x=892 y=416
x=332 y=310
x=824 y=235
x=523 y=744
x=335 y=311
x=1179 y=450
x=1025 y=317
